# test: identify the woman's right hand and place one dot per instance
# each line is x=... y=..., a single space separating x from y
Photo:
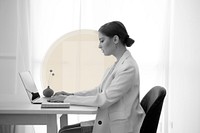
x=62 y=93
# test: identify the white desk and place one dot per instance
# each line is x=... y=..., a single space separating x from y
x=33 y=114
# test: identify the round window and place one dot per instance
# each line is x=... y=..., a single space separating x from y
x=74 y=62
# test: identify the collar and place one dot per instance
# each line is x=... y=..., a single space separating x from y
x=123 y=58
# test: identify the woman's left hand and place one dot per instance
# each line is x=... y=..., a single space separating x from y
x=57 y=98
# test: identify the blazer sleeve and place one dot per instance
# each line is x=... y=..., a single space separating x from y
x=88 y=93
x=120 y=85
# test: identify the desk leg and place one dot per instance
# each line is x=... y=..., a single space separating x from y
x=63 y=120
x=52 y=124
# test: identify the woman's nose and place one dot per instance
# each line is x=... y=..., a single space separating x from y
x=100 y=45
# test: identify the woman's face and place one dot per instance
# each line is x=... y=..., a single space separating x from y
x=106 y=44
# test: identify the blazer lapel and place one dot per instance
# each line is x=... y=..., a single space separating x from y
x=122 y=59
x=105 y=77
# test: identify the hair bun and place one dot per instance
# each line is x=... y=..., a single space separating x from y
x=129 y=42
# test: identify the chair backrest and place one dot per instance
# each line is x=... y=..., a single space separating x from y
x=152 y=104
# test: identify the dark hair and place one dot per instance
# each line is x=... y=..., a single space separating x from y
x=117 y=28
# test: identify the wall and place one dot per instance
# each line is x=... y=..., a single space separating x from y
x=9 y=40
x=184 y=68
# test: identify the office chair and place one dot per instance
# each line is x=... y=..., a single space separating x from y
x=152 y=104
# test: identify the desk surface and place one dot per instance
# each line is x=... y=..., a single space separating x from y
x=33 y=114
x=25 y=108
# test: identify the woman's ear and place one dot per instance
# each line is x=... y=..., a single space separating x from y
x=116 y=39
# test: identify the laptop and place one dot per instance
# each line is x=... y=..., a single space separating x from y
x=34 y=95
x=31 y=88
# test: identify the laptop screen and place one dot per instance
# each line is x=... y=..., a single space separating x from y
x=29 y=85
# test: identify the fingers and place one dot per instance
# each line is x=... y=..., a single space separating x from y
x=53 y=99
x=60 y=93
x=56 y=99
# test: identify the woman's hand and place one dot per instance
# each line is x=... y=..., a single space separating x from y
x=62 y=93
x=58 y=98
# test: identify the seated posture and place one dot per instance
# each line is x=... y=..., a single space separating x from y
x=117 y=96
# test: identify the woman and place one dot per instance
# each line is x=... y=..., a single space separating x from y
x=117 y=97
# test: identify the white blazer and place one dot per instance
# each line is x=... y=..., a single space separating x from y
x=117 y=99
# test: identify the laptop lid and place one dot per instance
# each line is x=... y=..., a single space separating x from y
x=29 y=85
